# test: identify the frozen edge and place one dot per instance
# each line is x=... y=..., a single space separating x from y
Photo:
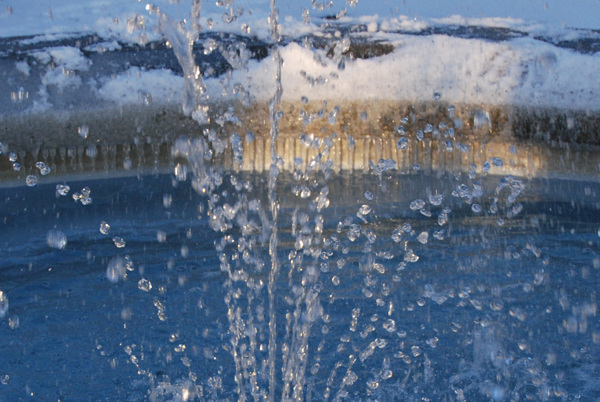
x=531 y=142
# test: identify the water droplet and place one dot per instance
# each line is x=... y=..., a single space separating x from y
x=436 y=199
x=83 y=196
x=119 y=242
x=486 y=166
x=83 y=131
x=31 y=180
x=363 y=211
x=3 y=304
x=184 y=251
x=402 y=144
x=389 y=325
x=91 y=151
x=56 y=239
x=104 y=228
x=144 y=284
x=497 y=162
x=417 y=204
x=62 y=189
x=481 y=119
x=476 y=208
x=237 y=147
x=304 y=192
x=515 y=210
x=127 y=164
x=116 y=270
x=372 y=384
x=161 y=236
x=369 y=195
x=423 y=237
x=180 y=172
x=5 y=379
x=16 y=166
x=12 y=157
x=420 y=135
x=45 y=170
x=410 y=256
x=432 y=342
x=332 y=118
x=13 y=322
x=167 y=200
x=437 y=96
x=335 y=280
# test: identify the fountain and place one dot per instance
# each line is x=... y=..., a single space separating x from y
x=198 y=214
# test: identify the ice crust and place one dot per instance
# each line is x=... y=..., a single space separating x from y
x=522 y=71
x=525 y=68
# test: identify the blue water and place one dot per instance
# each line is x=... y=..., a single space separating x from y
x=489 y=311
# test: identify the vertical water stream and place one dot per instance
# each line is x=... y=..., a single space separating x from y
x=273 y=203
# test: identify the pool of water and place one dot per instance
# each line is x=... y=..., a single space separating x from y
x=389 y=286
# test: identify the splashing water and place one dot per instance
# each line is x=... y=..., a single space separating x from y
x=182 y=42
x=416 y=263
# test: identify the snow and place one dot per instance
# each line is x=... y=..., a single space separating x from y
x=139 y=86
x=67 y=61
x=523 y=71
x=107 y=46
x=23 y=68
x=519 y=72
